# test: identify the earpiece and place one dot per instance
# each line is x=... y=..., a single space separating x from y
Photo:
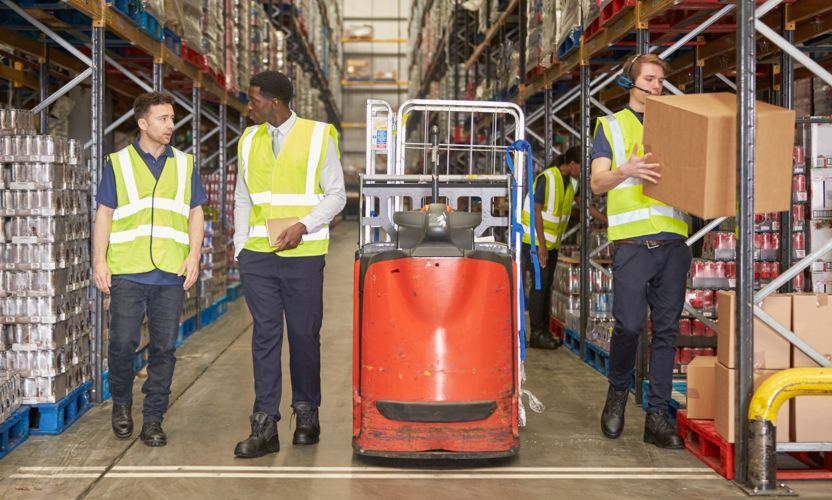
x=625 y=80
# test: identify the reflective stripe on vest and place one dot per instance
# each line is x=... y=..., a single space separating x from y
x=150 y=223
x=286 y=186
x=555 y=213
x=630 y=213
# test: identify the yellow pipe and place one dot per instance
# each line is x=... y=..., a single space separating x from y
x=785 y=385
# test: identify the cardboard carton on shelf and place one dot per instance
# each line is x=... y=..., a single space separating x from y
x=725 y=409
x=812 y=315
x=771 y=351
x=694 y=138
x=701 y=386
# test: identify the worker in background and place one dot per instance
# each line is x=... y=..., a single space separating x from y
x=554 y=194
x=147 y=246
x=650 y=259
x=288 y=167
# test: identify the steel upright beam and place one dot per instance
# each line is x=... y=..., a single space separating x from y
x=643 y=47
x=43 y=89
x=787 y=101
x=196 y=137
x=223 y=153
x=547 y=126
x=586 y=145
x=158 y=76
x=96 y=164
x=746 y=127
x=521 y=10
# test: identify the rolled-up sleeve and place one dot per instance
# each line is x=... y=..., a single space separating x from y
x=335 y=194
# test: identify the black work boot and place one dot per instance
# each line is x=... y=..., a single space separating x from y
x=122 y=421
x=153 y=435
x=612 y=419
x=659 y=430
x=543 y=340
x=308 y=427
x=263 y=438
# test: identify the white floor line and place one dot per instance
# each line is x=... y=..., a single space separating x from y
x=438 y=476
x=251 y=468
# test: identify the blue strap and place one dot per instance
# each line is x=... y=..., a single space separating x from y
x=517 y=229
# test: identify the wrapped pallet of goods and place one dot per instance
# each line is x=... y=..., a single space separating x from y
x=232 y=41
x=213 y=36
x=44 y=260
x=193 y=25
x=244 y=70
x=568 y=25
x=590 y=10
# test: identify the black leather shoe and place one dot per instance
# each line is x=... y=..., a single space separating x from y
x=153 y=435
x=263 y=438
x=308 y=427
x=543 y=341
x=659 y=430
x=612 y=419
x=122 y=421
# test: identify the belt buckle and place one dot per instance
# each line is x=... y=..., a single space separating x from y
x=650 y=244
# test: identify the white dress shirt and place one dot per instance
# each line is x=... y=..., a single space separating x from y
x=331 y=182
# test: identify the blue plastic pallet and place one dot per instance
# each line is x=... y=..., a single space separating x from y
x=106 y=383
x=572 y=341
x=122 y=6
x=140 y=359
x=597 y=358
x=679 y=389
x=234 y=291
x=55 y=418
x=149 y=24
x=186 y=329
x=570 y=43
x=14 y=430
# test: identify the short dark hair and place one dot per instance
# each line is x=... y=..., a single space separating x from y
x=572 y=154
x=273 y=84
x=556 y=161
x=143 y=102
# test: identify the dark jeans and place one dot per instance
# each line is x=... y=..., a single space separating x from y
x=129 y=301
x=540 y=301
x=656 y=278
x=275 y=286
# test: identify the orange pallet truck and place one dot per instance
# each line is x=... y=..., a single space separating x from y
x=438 y=296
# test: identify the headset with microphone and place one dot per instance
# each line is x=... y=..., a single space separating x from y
x=625 y=80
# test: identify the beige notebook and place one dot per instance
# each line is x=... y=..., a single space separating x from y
x=276 y=227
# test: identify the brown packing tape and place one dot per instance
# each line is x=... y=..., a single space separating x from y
x=821 y=300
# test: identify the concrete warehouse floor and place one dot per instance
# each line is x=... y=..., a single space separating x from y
x=563 y=452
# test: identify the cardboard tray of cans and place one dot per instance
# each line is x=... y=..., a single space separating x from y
x=16 y=122
x=31 y=337
x=43 y=283
x=25 y=176
x=44 y=203
x=40 y=390
x=32 y=229
x=50 y=310
x=39 y=149
x=47 y=256
x=9 y=393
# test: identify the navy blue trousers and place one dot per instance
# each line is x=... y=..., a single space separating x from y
x=642 y=278
x=275 y=287
x=129 y=302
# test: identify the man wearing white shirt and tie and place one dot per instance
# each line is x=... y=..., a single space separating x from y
x=288 y=167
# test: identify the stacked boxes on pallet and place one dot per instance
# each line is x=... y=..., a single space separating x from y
x=10 y=390
x=811 y=201
x=45 y=260
x=567 y=25
x=541 y=27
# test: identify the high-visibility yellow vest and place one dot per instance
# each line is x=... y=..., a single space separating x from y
x=556 y=211
x=630 y=213
x=286 y=186
x=150 y=224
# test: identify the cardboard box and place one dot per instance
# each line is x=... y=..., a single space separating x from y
x=812 y=316
x=811 y=419
x=771 y=351
x=701 y=385
x=725 y=409
x=694 y=138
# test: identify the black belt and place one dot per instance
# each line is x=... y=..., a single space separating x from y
x=651 y=244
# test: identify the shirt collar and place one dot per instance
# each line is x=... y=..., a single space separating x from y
x=285 y=127
x=168 y=150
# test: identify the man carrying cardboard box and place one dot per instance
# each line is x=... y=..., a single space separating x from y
x=650 y=259
x=289 y=168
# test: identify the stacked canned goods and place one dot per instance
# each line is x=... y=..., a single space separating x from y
x=44 y=260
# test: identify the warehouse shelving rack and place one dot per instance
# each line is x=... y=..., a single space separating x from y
x=705 y=42
x=103 y=49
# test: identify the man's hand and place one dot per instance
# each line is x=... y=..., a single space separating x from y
x=542 y=255
x=102 y=277
x=291 y=237
x=639 y=168
x=190 y=268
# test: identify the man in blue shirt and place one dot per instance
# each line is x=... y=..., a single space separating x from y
x=140 y=226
